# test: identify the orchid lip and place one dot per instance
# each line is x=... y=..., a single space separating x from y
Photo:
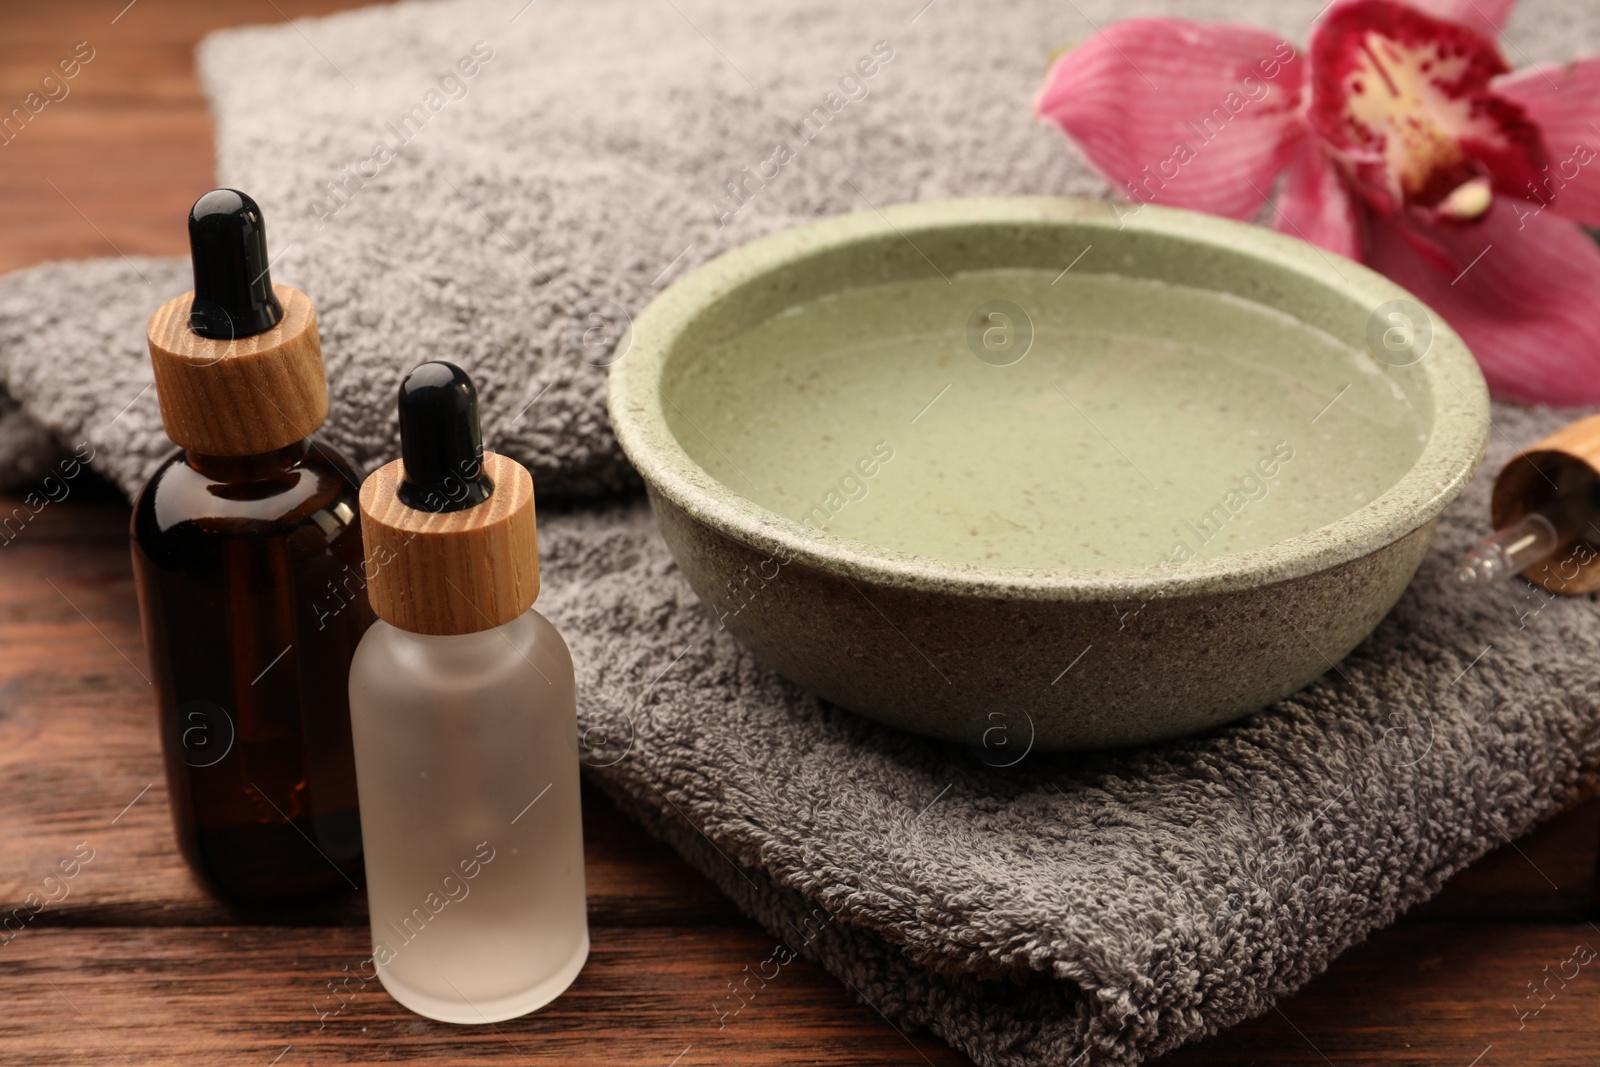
x=1405 y=101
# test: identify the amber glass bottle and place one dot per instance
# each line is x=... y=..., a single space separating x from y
x=247 y=554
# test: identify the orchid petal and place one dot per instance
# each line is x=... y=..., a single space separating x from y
x=1525 y=296
x=1315 y=205
x=1483 y=16
x=1179 y=113
x=1563 y=100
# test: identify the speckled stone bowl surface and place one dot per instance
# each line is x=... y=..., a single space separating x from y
x=1043 y=473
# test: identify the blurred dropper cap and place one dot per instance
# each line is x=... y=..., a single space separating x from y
x=1561 y=470
x=451 y=540
x=238 y=366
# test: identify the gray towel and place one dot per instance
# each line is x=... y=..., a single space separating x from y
x=1121 y=903
x=1116 y=904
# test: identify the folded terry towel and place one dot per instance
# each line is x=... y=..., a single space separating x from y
x=1065 y=910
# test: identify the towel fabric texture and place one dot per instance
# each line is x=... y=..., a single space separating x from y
x=504 y=185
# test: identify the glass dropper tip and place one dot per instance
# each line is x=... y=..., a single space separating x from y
x=1507 y=552
x=1480 y=568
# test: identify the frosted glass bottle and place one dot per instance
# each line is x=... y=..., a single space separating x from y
x=467 y=764
x=463 y=717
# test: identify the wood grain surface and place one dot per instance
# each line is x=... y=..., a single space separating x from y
x=240 y=396
x=451 y=572
x=112 y=167
x=132 y=964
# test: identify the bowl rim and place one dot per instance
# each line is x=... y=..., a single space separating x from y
x=1450 y=455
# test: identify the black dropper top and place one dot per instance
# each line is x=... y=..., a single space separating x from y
x=232 y=285
x=441 y=445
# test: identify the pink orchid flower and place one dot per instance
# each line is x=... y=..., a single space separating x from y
x=1403 y=140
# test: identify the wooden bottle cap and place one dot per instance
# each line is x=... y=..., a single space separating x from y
x=1530 y=481
x=451 y=572
x=240 y=397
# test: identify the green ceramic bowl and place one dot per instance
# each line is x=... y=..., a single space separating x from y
x=1046 y=473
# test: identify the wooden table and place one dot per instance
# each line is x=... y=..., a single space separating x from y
x=132 y=964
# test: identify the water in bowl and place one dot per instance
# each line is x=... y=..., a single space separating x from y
x=1022 y=419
